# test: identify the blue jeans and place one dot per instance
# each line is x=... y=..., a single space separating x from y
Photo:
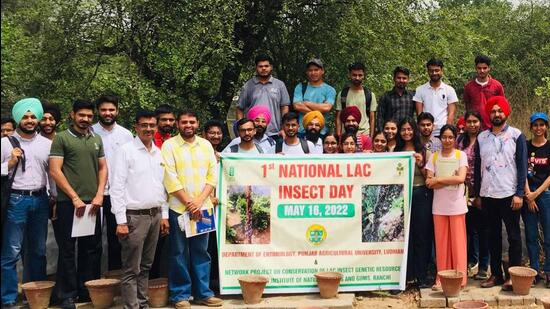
x=27 y=216
x=531 y=221
x=189 y=264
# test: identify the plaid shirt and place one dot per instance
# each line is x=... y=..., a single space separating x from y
x=394 y=106
x=188 y=166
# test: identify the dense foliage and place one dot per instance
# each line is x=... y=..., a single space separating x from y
x=197 y=54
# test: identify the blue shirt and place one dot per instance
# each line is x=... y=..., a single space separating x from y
x=317 y=94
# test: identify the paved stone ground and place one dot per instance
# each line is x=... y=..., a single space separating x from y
x=493 y=296
x=343 y=301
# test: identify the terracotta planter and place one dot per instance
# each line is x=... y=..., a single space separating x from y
x=158 y=292
x=38 y=293
x=252 y=287
x=545 y=302
x=103 y=291
x=522 y=278
x=471 y=304
x=328 y=283
x=114 y=274
x=451 y=280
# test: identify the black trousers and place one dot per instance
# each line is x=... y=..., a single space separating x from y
x=158 y=268
x=421 y=234
x=500 y=210
x=70 y=279
x=477 y=228
x=114 y=261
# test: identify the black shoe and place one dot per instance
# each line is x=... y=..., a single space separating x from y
x=67 y=303
x=536 y=281
x=9 y=306
x=395 y=292
x=84 y=299
x=547 y=280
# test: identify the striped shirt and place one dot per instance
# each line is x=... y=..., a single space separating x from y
x=188 y=166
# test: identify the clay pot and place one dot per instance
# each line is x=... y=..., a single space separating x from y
x=114 y=274
x=328 y=283
x=545 y=302
x=471 y=304
x=38 y=293
x=451 y=280
x=103 y=291
x=252 y=287
x=158 y=292
x=522 y=278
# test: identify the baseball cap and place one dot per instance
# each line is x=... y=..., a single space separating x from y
x=317 y=62
x=538 y=115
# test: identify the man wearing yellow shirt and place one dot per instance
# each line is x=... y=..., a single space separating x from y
x=189 y=179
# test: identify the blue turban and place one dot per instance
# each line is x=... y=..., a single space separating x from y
x=23 y=106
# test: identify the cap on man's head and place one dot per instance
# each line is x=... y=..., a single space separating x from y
x=538 y=115
x=316 y=62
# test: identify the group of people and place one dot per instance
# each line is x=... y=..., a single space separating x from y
x=467 y=180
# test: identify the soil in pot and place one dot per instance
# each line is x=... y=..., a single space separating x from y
x=328 y=283
x=450 y=282
x=158 y=292
x=522 y=278
x=252 y=287
x=103 y=291
x=471 y=304
x=38 y=293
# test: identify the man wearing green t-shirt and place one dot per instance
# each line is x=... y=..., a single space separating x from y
x=78 y=166
x=357 y=95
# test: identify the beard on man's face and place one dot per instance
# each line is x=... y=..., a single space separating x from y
x=260 y=130
x=351 y=129
x=313 y=135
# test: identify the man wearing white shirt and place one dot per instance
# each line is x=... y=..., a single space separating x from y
x=246 y=130
x=436 y=97
x=292 y=144
x=138 y=165
x=261 y=116
x=113 y=137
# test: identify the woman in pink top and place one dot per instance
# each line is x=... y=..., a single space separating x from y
x=446 y=173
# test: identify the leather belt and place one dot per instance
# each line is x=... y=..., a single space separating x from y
x=38 y=192
x=143 y=212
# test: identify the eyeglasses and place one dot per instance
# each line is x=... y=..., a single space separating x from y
x=147 y=125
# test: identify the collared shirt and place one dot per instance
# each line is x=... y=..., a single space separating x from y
x=160 y=138
x=266 y=143
x=136 y=168
x=189 y=167
x=112 y=140
x=395 y=106
x=476 y=96
x=272 y=94
x=81 y=154
x=36 y=151
x=436 y=101
x=501 y=163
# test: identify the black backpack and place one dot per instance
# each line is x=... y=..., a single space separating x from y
x=368 y=98
x=235 y=148
x=7 y=182
x=303 y=143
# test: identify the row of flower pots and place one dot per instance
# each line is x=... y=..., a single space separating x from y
x=103 y=291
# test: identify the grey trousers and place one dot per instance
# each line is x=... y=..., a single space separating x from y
x=138 y=252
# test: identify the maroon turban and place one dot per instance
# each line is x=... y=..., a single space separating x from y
x=350 y=111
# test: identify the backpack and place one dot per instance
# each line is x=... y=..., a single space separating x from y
x=7 y=182
x=303 y=142
x=235 y=148
x=304 y=89
x=368 y=98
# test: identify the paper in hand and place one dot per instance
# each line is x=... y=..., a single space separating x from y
x=85 y=225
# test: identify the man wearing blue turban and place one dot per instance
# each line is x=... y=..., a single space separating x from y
x=25 y=154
